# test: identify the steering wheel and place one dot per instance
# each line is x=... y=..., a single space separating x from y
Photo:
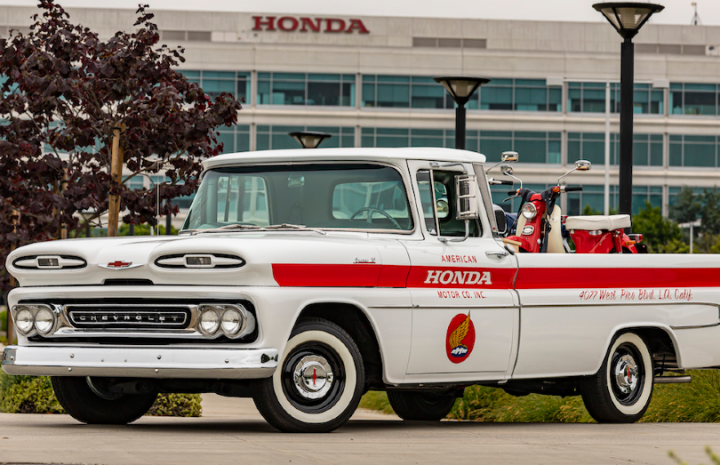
x=372 y=210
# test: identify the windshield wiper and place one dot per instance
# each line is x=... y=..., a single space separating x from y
x=297 y=227
x=253 y=227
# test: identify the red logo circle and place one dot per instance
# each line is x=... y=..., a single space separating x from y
x=460 y=338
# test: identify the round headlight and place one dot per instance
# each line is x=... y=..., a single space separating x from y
x=24 y=321
x=232 y=322
x=528 y=211
x=209 y=322
x=44 y=321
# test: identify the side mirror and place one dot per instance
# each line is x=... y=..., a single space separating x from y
x=509 y=156
x=500 y=219
x=583 y=165
x=507 y=170
x=467 y=204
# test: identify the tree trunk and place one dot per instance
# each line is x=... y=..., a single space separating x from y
x=116 y=164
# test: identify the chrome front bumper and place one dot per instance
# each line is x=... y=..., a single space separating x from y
x=140 y=362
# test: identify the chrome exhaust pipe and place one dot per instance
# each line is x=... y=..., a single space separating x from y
x=673 y=379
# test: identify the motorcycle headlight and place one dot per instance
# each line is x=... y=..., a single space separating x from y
x=528 y=211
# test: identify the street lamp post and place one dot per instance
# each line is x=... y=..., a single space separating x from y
x=460 y=89
x=309 y=139
x=627 y=18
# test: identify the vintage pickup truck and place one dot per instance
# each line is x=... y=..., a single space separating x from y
x=304 y=278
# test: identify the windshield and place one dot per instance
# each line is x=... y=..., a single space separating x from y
x=323 y=196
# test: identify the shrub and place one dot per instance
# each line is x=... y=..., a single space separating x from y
x=698 y=401
x=34 y=394
x=3 y=320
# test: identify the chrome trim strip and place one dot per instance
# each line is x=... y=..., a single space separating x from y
x=696 y=326
x=616 y=303
x=421 y=307
x=144 y=361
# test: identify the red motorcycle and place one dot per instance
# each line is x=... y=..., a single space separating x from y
x=543 y=232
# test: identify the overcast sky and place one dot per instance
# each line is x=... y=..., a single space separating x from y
x=676 y=11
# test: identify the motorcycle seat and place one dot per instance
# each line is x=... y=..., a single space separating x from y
x=595 y=222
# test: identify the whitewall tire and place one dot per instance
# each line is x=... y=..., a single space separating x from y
x=318 y=382
x=622 y=389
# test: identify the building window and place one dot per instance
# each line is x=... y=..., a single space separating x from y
x=406 y=92
x=647 y=148
x=213 y=83
x=276 y=137
x=593 y=197
x=333 y=90
x=520 y=95
x=693 y=151
x=235 y=139
x=533 y=147
x=693 y=99
x=385 y=137
x=589 y=97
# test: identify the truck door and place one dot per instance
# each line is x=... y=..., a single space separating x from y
x=465 y=315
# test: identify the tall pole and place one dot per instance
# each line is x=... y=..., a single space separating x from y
x=627 y=58
x=607 y=148
x=460 y=126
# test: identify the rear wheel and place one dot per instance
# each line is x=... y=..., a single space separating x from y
x=421 y=405
x=318 y=382
x=87 y=400
x=621 y=391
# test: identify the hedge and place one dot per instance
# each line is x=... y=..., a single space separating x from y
x=698 y=401
x=34 y=394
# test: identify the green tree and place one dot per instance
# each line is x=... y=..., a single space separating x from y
x=710 y=211
x=685 y=207
x=661 y=235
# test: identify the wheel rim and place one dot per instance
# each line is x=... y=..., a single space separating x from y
x=313 y=377
x=627 y=374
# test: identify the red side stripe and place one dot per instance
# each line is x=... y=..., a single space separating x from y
x=355 y=275
x=609 y=278
x=376 y=275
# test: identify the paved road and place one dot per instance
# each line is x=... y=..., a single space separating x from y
x=231 y=432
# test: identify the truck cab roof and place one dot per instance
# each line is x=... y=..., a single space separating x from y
x=345 y=154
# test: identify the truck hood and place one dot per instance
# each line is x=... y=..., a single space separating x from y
x=268 y=259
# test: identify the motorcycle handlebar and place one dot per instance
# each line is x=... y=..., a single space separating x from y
x=573 y=188
x=504 y=182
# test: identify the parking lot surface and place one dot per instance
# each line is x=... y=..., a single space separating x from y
x=232 y=432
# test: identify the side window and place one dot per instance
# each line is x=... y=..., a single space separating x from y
x=426 y=199
x=448 y=223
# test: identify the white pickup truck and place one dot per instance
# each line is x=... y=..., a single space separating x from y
x=304 y=278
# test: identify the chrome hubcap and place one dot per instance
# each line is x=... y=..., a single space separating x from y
x=626 y=374
x=313 y=377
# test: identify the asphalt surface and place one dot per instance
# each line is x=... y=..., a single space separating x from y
x=232 y=432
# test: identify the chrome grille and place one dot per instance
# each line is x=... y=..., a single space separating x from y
x=128 y=317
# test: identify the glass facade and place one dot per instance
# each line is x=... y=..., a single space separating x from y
x=520 y=95
x=693 y=151
x=405 y=92
x=647 y=148
x=533 y=147
x=589 y=97
x=235 y=139
x=276 y=137
x=213 y=83
x=693 y=99
x=594 y=197
x=306 y=89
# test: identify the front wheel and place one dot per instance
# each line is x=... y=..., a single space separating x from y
x=318 y=382
x=421 y=405
x=621 y=391
x=89 y=401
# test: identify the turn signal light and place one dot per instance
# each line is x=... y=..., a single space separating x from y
x=629 y=243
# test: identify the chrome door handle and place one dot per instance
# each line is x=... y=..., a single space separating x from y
x=498 y=254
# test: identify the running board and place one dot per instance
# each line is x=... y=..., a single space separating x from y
x=673 y=379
